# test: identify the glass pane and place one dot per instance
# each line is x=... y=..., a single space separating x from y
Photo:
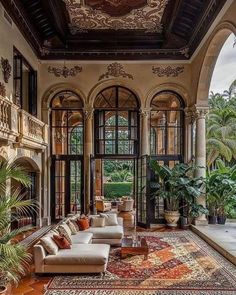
x=59 y=141
x=75 y=186
x=67 y=100
x=106 y=99
x=60 y=191
x=76 y=140
x=126 y=99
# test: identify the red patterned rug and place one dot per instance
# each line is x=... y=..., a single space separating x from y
x=179 y=263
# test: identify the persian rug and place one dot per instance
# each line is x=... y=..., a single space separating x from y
x=179 y=263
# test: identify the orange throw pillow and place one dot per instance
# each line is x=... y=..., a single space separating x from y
x=83 y=223
x=61 y=242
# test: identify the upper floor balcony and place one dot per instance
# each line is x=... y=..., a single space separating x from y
x=21 y=129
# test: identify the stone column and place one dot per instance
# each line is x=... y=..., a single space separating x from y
x=188 y=129
x=145 y=138
x=200 y=154
x=88 y=151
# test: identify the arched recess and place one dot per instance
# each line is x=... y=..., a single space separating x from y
x=113 y=82
x=174 y=87
x=212 y=52
x=52 y=91
x=33 y=192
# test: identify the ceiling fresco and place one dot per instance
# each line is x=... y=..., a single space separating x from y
x=115 y=15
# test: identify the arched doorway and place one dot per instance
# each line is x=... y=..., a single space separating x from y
x=166 y=144
x=67 y=145
x=116 y=137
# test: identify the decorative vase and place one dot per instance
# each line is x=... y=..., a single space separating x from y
x=172 y=217
x=3 y=290
x=212 y=219
x=221 y=219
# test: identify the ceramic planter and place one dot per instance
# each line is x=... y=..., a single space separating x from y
x=212 y=219
x=221 y=219
x=172 y=217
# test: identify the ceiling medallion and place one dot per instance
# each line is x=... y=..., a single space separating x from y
x=65 y=72
x=6 y=69
x=115 y=70
x=115 y=15
x=168 y=71
x=2 y=90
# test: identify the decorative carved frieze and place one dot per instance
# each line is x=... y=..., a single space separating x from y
x=115 y=70
x=6 y=69
x=145 y=113
x=2 y=90
x=201 y=112
x=65 y=71
x=167 y=71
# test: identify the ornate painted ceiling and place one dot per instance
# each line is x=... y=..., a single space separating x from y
x=114 y=29
x=115 y=15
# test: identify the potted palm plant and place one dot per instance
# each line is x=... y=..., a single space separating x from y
x=14 y=257
x=179 y=188
x=221 y=188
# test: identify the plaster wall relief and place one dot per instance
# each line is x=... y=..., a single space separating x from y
x=115 y=15
x=115 y=70
x=2 y=89
x=168 y=71
x=6 y=69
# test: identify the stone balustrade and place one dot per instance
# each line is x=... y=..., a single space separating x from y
x=20 y=128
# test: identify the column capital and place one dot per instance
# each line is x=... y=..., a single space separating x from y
x=88 y=113
x=201 y=111
x=145 y=113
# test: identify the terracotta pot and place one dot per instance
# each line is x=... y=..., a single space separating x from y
x=3 y=290
x=172 y=217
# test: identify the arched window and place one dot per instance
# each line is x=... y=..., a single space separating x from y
x=67 y=124
x=116 y=122
x=166 y=130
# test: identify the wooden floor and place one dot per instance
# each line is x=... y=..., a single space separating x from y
x=32 y=285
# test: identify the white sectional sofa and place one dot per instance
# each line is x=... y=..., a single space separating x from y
x=89 y=251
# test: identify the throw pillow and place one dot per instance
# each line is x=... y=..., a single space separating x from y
x=65 y=230
x=49 y=245
x=110 y=219
x=72 y=227
x=98 y=221
x=61 y=242
x=83 y=223
x=74 y=221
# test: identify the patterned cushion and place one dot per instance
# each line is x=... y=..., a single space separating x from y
x=98 y=221
x=73 y=220
x=49 y=245
x=72 y=227
x=65 y=231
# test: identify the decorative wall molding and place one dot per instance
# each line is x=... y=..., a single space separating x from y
x=88 y=113
x=6 y=69
x=65 y=71
x=168 y=71
x=115 y=70
x=2 y=90
x=201 y=112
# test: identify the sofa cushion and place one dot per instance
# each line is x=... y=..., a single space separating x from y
x=74 y=221
x=72 y=227
x=61 y=242
x=65 y=231
x=98 y=221
x=110 y=219
x=49 y=245
x=83 y=223
x=82 y=238
x=80 y=255
x=107 y=232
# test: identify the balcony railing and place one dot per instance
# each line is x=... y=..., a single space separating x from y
x=21 y=128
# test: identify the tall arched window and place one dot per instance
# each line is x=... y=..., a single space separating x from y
x=116 y=122
x=166 y=130
x=67 y=144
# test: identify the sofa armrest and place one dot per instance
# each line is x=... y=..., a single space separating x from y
x=120 y=221
x=39 y=255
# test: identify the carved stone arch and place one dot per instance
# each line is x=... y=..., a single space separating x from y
x=179 y=89
x=52 y=91
x=113 y=82
x=217 y=40
x=34 y=165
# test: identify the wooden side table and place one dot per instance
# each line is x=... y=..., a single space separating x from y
x=131 y=247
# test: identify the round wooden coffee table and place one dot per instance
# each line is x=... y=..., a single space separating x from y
x=134 y=247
